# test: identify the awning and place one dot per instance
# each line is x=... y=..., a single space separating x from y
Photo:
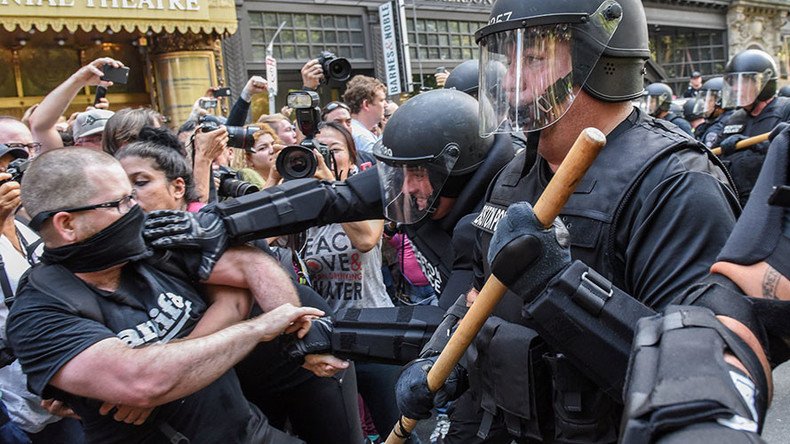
x=198 y=16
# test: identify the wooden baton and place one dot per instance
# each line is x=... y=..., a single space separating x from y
x=547 y=208
x=745 y=143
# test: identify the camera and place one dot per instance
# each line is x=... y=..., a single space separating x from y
x=238 y=136
x=16 y=169
x=298 y=161
x=230 y=185
x=335 y=68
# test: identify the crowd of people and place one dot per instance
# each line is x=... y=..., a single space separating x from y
x=170 y=285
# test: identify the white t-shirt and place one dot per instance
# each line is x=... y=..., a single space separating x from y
x=23 y=406
x=364 y=139
x=344 y=276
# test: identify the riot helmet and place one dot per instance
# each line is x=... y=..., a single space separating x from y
x=749 y=77
x=427 y=141
x=464 y=78
x=690 y=111
x=784 y=91
x=553 y=49
x=657 y=99
x=709 y=96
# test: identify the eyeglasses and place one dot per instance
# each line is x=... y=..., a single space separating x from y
x=122 y=205
x=331 y=106
x=30 y=147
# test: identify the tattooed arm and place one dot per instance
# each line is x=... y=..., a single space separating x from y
x=759 y=280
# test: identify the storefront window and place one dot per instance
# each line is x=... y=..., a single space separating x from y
x=443 y=39
x=44 y=68
x=680 y=51
x=7 y=84
x=306 y=35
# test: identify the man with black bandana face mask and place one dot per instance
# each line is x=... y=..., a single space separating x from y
x=97 y=320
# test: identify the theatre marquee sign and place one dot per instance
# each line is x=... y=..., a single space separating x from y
x=183 y=15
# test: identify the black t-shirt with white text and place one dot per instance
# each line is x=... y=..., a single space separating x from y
x=150 y=306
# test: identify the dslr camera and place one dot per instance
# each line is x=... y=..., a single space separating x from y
x=230 y=185
x=238 y=136
x=335 y=68
x=298 y=161
x=16 y=169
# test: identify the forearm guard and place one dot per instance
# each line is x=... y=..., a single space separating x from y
x=392 y=335
x=679 y=387
x=591 y=322
x=299 y=204
x=445 y=330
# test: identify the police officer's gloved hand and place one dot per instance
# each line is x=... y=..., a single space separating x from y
x=318 y=340
x=204 y=231
x=728 y=144
x=411 y=391
x=778 y=129
x=524 y=255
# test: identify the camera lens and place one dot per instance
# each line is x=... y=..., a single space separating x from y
x=296 y=162
x=339 y=69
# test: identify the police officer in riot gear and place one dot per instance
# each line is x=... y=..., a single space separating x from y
x=658 y=103
x=710 y=105
x=750 y=86
x=626 y=220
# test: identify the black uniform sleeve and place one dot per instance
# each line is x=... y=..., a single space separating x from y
x=462 y=275
x=297 y=205
x=238 y=114
x=678 y=224
x=45 y=335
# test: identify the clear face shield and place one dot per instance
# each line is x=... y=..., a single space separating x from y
x=741 y=89
x=651 y=104
x=411 y=186
x=706 y=103
x=529 y=76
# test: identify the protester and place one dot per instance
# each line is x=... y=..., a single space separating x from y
x=337 y=112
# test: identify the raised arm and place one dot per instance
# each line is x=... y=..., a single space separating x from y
x=42 y=122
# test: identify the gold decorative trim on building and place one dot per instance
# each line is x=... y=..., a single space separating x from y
x=197 y=16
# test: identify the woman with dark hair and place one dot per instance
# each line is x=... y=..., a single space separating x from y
x=159 y=172
x=125 y=125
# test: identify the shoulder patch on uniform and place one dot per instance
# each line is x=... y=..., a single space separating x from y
x=489 y=217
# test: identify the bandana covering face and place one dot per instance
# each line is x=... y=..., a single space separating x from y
x=120 y=242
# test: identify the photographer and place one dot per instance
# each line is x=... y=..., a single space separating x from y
x=45 y=117
x=260 y=159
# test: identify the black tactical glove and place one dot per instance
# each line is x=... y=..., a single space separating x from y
x=318 y=340
x=728 y=144
x=534 y=254
x=204 y=231
x=415 y=400
x=778 y=129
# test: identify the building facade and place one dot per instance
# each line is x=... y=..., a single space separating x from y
x=172 y=47
x=685 y=36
